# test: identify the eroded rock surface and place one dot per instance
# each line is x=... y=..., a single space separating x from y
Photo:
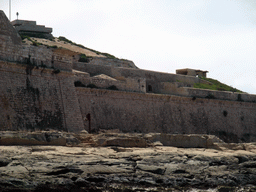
x=122 y=168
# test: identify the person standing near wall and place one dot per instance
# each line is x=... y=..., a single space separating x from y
x=88 y=118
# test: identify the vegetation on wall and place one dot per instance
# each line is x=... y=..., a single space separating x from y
x=84 y=58
x=216 y=85
x=61 y=38
x=27 y=34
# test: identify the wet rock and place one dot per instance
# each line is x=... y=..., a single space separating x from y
x=152 y=168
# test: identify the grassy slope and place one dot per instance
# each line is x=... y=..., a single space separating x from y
x=216 y=85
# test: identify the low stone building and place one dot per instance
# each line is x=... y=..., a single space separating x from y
x=25 y=27
x=191 y=72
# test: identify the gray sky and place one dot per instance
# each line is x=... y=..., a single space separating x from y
x=160 y=35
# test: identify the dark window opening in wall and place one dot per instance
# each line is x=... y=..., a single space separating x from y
x=149 y=88
x=225 y=113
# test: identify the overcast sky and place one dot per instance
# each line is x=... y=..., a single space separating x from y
x=161 y=35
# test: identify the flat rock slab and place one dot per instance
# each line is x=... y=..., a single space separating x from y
x=159 y=168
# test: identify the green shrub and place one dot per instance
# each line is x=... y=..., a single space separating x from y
x=34 y=43
x=32 y=34
x=61 y=38
x=84 y=58
x=25 y=37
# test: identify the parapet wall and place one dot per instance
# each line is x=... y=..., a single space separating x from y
x=112 y=62
x=223 y=95
x=37 y=99
x=137 y=112
x=174 y=89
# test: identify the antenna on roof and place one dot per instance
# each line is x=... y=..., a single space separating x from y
x=17 y=15
x=10 y=10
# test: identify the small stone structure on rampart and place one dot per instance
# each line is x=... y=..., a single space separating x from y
x=192 y=72
x=30 y=28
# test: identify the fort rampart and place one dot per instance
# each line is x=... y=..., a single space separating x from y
x=37 y=99
x=37 y=92
x=138 y=112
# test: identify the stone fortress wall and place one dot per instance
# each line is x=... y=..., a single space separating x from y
x=38 y=92
x=162 y=83
x=124 y=84
x=138 y=112
x=112 y=62
x=37 y=99
x=153 y=79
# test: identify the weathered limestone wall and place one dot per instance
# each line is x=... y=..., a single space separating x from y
x=223 y=95
x=173 y=88
x=125 y=84
x=180 y=89
x=37 y=99
x=12 y=49
x=112 y=62
x=138 y=112
x=35 y=55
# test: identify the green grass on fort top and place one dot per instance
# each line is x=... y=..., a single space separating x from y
x=216 y=85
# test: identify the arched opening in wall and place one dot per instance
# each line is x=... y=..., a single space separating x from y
x=149 y=88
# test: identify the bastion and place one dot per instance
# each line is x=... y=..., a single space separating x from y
x=46 y=87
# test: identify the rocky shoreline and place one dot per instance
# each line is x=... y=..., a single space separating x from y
x=108 y=162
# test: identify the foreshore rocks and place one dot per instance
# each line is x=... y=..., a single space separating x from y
x=102 y=163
